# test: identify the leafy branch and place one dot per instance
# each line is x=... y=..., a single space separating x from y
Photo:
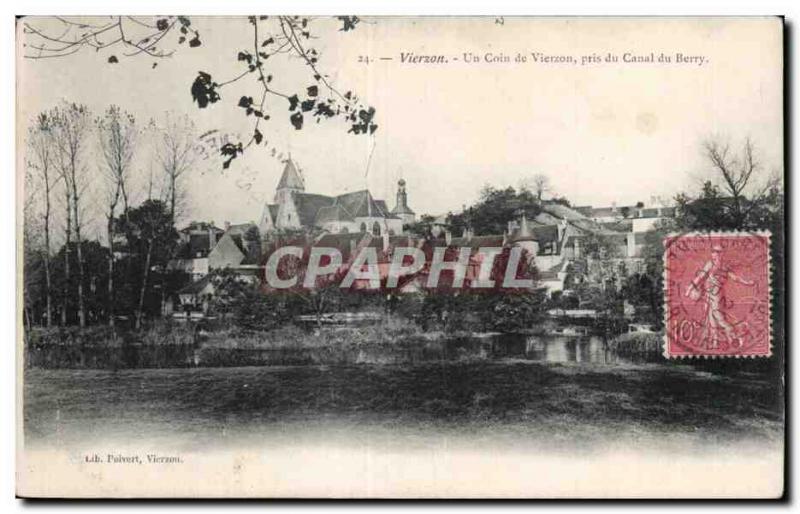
x=279 y=35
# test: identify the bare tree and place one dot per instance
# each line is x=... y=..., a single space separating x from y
x=117 y=136
x=175 y=156
x=40 y=159
x=31 y=247
x=59 y=36
x=71 y=127
x=539 y=185
x=737 y=174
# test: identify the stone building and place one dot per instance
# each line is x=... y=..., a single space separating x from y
x=358 y=211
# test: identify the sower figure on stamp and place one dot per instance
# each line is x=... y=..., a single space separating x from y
x=708 y=284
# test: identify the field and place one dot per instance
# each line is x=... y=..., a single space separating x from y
x=509 y=402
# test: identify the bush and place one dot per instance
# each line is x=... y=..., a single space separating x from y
x=638 y=343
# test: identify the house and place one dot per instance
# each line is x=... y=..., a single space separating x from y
x=239 y=244
x=563 y=233
x=195 y=243
x=358 y=211
x=204 y=247
x=642 y=219
x=193 y=299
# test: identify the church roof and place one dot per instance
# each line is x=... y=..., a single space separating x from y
x=291 y=178
x=308 y=205
x=332 y=213
x=383 y=207
x=361 y=204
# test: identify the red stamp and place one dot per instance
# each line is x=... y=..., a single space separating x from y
x=717 y=295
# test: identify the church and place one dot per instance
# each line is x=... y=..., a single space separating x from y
x=359 y=211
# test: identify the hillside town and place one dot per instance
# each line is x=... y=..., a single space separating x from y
x=556 y=238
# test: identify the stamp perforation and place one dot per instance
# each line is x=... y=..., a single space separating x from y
x=770 y=278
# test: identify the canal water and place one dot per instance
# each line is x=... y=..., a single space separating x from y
x=543 y=348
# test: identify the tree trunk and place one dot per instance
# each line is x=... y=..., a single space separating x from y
x=75 y=206
x=111 y=270
x=146 y=273
x=48 y=292
x=65 y=299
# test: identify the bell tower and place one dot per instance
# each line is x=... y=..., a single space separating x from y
x=401 y=208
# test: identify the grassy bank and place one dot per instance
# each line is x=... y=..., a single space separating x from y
x=574 y=404
x=163 y=333
x=394 y=340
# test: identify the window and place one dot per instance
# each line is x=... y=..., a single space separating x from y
x=363 y=227
x=376 y=229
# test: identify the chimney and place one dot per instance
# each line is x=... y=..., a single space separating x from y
x=447 y=236
x=614 y=207
x=212 y=240
x=227 y=226
x=631 y=240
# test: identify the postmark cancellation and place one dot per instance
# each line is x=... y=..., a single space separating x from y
x=717 y=295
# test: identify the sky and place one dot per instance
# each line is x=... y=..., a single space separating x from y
x=602 y=132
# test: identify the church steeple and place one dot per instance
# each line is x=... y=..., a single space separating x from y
x=291 y=181
x=401 y=208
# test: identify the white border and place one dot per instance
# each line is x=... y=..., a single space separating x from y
x=791 y=8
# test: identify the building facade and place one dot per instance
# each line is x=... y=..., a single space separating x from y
x=356 y=212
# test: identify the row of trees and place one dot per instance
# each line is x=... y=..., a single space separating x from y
x=72 y=278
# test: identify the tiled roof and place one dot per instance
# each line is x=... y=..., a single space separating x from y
x=382 y=207
x=361 y=204
x=562 y=211
x=332 y=213
x=308 y=205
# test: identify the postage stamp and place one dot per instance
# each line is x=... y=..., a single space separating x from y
x=717 y=295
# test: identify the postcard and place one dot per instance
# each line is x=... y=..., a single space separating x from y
x=400 y=257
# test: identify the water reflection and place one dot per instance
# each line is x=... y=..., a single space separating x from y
x=591 y=349
x=544 y=348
